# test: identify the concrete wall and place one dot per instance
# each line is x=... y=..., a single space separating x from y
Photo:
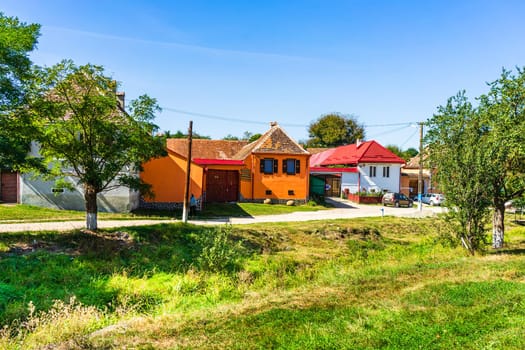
x=36 y=191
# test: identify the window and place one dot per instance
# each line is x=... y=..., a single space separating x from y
x=269 y=166
x=386 y=171
x=291 y=166
x=372 y=171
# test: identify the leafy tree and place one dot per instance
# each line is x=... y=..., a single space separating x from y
x=454 y=137
x=180 y=135
x=84 y=130
x=406 y=155
x=254 y=137
x=334 y=129
x=230 y=137
x=17 y=40
x=490 y=140
x=503 y=113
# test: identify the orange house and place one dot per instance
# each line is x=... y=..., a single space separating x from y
x=274 y=167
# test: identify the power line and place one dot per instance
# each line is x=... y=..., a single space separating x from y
x=247 y=121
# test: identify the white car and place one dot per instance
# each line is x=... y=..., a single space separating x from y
x=432 y=198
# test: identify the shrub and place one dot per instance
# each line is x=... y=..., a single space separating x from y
x=218 y=251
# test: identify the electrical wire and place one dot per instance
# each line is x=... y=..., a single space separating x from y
x=247 y=121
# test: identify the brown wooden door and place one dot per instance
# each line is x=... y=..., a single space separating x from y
x=222 y=186
x=9 y=190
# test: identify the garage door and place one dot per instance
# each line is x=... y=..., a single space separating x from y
x=222 y=186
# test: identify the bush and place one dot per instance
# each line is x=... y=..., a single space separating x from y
x=218 y=251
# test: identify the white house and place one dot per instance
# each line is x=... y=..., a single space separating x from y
x=361 y=167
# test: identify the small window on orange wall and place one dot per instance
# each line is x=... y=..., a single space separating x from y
x=269 y=166
x=291 y=166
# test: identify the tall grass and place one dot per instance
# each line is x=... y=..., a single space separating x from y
x=363 y=283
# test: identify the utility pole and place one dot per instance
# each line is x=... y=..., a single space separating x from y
x=188 y=178
x=420 y=175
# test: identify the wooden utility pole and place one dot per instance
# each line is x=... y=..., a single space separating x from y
x=188 y=178
x=420 y=175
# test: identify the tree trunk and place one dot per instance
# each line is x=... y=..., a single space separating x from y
x=90 y=197
x=498 y=225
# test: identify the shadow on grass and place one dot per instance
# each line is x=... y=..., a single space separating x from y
x=43 y=267
x=209 y=211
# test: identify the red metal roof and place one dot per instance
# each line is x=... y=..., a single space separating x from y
x=204 y=161
x=365 y=152
x=332 y=170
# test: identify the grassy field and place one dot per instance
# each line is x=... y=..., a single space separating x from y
x=346 y=284
x=27 y=213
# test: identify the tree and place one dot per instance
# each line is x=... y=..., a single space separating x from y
x=503 y=113
x=454 y=135
x=17 y=40
x=406 y=155
x=84 y=130
x=334 y=129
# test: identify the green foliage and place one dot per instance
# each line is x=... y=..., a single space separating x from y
x=180 y=135
x=334 y=129
x=17 y=40
x=479 y=155
x=335 y=284
x=219 y=252
x=83 y=127
x=406 y=154
x=454 y=136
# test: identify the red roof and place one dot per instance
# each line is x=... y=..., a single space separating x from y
x=365 y=152
x=332 y=170
x=203 y=161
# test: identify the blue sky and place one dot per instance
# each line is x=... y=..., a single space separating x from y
x=234 y=66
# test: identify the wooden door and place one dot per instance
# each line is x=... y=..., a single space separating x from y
x=9 y=190
x=222 y=186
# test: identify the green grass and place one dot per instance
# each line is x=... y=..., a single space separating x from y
x=27 y=213
x=343 y=284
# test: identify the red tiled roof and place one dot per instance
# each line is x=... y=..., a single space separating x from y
x=365 y=152
x=273 y=141
x=201 y=161
x=206 y=149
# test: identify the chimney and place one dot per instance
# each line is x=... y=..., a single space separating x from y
x=121 y=96
x=358 y=143
x=272 y=124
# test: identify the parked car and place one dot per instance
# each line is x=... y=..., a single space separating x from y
x=431 y=198
x=396 y=199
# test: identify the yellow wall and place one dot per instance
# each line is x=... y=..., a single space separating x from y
x=167 y=177
x=278 y=183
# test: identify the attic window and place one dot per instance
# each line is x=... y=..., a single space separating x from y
x=269 y=166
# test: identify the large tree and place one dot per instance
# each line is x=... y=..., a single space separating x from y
x=334 y=129
x=479 y=153
x=86 y=131
x=503 y=113
x=17 y=40
x=454 y=136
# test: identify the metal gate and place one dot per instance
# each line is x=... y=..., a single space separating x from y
x=222 y=186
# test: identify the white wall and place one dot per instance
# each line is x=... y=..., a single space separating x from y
x=39 y=192
x=379 y=183
x=349 y=181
